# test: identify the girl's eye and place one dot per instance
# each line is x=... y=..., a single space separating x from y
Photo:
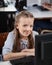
x=24 y=25
x=31 y=25
x=27 y=25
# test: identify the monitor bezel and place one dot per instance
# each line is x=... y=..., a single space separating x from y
x=39 y=41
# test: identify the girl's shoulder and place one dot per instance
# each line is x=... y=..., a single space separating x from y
x=11 y=34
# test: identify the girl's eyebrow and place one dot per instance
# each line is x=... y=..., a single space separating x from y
x=25 y=25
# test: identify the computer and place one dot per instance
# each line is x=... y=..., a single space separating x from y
x=51 y=2
x=43 y=49
x=3 y=4
x=20 y=4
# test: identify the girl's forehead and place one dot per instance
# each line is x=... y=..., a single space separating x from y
x=25 y=20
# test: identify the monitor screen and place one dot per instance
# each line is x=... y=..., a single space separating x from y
x=3 y=3
x=50 y=1
x=43 y=49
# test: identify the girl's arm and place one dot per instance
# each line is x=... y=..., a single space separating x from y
x=17 y=55
x=11 y=56
x=29 y=50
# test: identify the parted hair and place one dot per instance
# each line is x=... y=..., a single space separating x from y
x=16 y=46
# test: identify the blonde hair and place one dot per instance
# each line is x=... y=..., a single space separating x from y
x=24 y=14
x=16 y=46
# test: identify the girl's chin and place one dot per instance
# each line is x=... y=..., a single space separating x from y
x=26 y=35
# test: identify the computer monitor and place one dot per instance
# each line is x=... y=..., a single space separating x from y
x=20 y=4
x=3 y=4
x=50 y=1
x=43 y=49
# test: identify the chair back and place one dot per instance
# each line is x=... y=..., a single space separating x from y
x=3 y=37
x=46 y=31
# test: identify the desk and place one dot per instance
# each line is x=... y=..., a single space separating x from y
x=29 y=60
x=39 y=14
x=10 y=8
x=7 y=15
x=5 y=63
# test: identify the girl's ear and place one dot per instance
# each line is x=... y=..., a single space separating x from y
x=17 y=25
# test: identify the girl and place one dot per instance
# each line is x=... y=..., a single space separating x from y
x=20 y=41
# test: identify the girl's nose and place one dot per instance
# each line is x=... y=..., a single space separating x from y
x=28 y=28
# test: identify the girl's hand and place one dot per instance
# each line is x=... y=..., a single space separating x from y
x=25 y=50
x=29 y=52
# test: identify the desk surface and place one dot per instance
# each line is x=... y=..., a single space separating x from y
x=10 y=8
x=5 y=63
x=39 y=14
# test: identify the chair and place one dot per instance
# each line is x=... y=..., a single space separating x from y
x=3 y=37
x=46 y=31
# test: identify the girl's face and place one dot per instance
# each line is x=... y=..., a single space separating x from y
x=25 y=26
